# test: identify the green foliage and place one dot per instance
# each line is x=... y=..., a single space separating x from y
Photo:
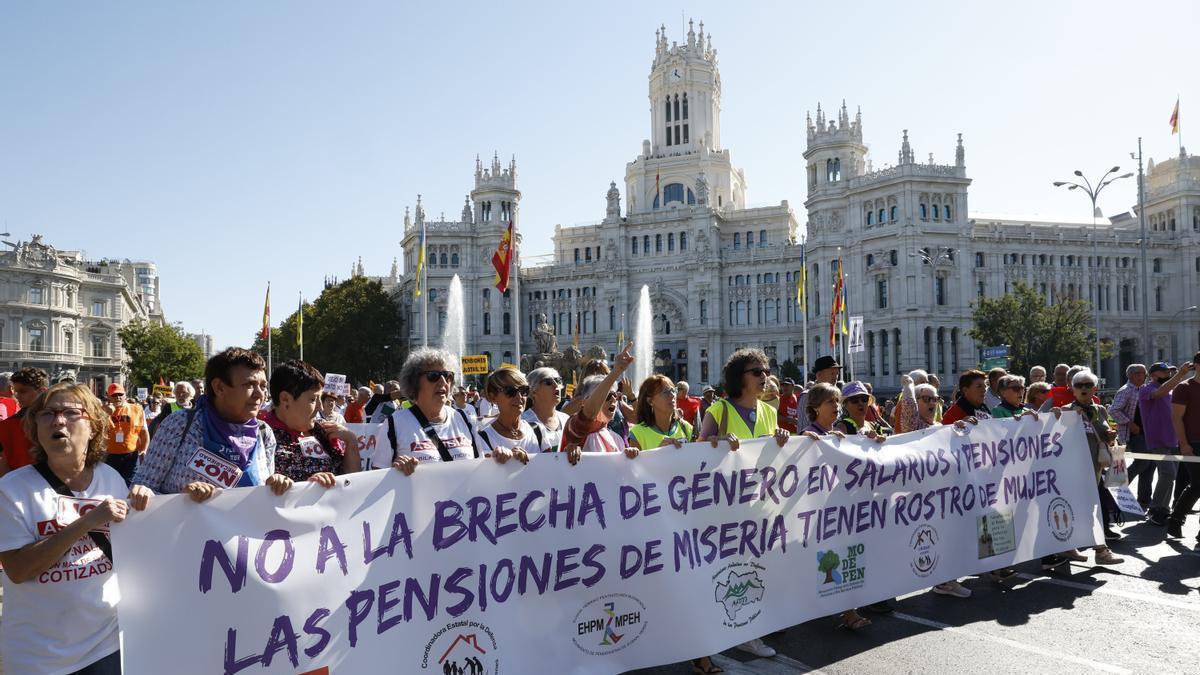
x=1037 y=333
x=353 y=328
x=160 y=351
x=793 y=370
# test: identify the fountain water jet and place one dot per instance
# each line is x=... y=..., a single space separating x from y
x=453 y=335
x=643 y=340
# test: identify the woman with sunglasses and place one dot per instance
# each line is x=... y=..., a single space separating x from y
x=1012 y=397
x=742 y=415
x=856 y=402
x=507 y=389
x=588 y=430
x=660 y=425
x=431 y=430
x=541 y=410
x=60 y=591
x=1099 y=433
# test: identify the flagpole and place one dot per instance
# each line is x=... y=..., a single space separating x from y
x=300 y=325
x=845 y=338
x=424 y=282
x=803 y=281
x=268 y=330
x=514 y=271
x=1179 y=124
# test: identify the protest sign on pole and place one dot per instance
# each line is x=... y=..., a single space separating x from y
x=856 y=342
x=475 y=364
x=623 y=563
x=334 y=382
x=143 y=393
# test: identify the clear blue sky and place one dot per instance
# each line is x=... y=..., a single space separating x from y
x=234 y=143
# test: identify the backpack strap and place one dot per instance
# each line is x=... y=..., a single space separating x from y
x=537 y=432
x=470 y=428
x=191 y=417
x=56 y=484
x=723 y=427
x=443 y=452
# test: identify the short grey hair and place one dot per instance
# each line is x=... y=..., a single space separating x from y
x=683 y=386
x=6 y=379
x=187 y=386
x=1037 y=369
x=1084 y=375
x=1133 y=368
x=420 y=360
x=924 y=387
x=1075 y=370
x=1007 y=381
x=584 y=390
x=918 y=376
x=539 y=375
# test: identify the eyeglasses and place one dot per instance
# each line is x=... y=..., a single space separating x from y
x=1016 y=387
x=512 y=390
x=436 y=375
x=552 y=381
x=758 y=372
x=48 y=415
x=1084 y=385
x=670 y=392
x=858 y=400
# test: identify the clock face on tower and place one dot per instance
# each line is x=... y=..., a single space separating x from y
x=675 y=75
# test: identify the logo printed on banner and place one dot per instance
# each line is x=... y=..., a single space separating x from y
x=924 y=546
x=1060 y=517
x=216 y=470
x=463 y=648
x=841 y=573
x=609 y=624
x=739 y=585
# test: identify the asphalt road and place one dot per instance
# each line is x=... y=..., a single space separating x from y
x=1142 y=616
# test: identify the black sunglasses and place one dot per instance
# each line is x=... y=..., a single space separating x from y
x=758 y=372
x=555 y=381
x=436 y=375
x=1084 y=385
x=512 y=390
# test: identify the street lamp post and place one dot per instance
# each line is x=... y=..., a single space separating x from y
x=1175 y=334
x=1093 y=192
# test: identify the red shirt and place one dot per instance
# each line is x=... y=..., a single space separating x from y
x=14 y=442
x=787 y=411
x=689 y=406
x=354 y=413
x=8 y=407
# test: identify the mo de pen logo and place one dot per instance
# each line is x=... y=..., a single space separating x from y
x=609 y=624
x=843 y=572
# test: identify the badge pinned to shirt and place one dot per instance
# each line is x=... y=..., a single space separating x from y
x=214 y=470
x=311 y=447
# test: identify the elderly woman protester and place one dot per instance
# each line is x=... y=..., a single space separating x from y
x=1100 y=435
x=304 y=449
x=1036 y=395
x=541 y=411
x=329 y=408
x=1012 y=397
x=743 y=416
x=60 y=591
x=432 y=430
x=972 y=389
x=661 y=423
x=507 y=388
x=219 y=443
x=857 y=401
x=588 y=430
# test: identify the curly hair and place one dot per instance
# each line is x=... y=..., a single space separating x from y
x=31 y=377
x=650 y=388
x=92 y=407
x=420 y=360
x=739 y=361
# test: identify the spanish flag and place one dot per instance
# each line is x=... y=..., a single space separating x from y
x=1175 y=118
x=420 y=263
x=837 y=306
x=266 y=327
x=802 y=282
x=502 y=258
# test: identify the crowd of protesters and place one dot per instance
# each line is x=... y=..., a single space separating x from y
x=61 y=444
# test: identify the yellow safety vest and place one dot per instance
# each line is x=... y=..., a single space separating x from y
x=765 y=420
x=649 y=438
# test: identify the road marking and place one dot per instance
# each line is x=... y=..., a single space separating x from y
x=1108 y=668
x=776 y=665
x=1166 y=602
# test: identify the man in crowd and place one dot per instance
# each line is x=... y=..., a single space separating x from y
x=8 y=404
x=1185 y=420
x=27 y=384
x=709 y=395
x=788 y=405
x=1037 y=374
x=1154 y=405
x=991 y=397
x=826 y=370
x=1125 y=411
x=354 y=410
x=972 y=388
x=127 y=435
x=688 y=405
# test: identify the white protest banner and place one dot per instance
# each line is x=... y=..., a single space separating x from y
x=603 y=567
x=375 y=450
x=334 y=382
x=856 y=343
x=143 y=393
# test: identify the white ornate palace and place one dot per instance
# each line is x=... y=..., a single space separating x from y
x=723 y=276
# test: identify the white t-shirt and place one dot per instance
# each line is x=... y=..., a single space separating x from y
x=528 y=442
x=605 y=440
x=486 y=408
x=551 y=439
x=66 y=618
x=411 y=439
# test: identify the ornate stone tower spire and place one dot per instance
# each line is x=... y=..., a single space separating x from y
x=420 y=211
x=906 y=151
x=960 y=154
x=467 y=215
x=395 y=268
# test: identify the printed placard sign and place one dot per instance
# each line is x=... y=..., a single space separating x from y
x=213 y=469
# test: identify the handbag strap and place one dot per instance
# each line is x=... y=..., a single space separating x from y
x=56 y=484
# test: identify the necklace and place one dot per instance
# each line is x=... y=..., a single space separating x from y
x=509 y=432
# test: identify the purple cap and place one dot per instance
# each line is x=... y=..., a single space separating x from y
x=855 y=388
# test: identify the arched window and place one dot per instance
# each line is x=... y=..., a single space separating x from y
x=675 y=192
x=658 y=243
x=741 y=309
x=762 y=238
x=870 y=217
x=750 y=239
x=892 y=214
x=946 y=211
x=685 y=106
x=667 y=110
x=829 y=171
x=1158 y=264
x=635 y=245
x=924 y=212
x=837 y=169
x=676 y=106
x=445 y=260
x=881 y=213
x=454 y=260
x=703 y=312
x=646 y=244
x=683 y=241
x=670 y=242
x=576 y=256
x=737 y=240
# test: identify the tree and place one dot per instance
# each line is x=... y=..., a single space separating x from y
x=352 y=328
x=160 y=351
x=793 y=370
x=1037 y=333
